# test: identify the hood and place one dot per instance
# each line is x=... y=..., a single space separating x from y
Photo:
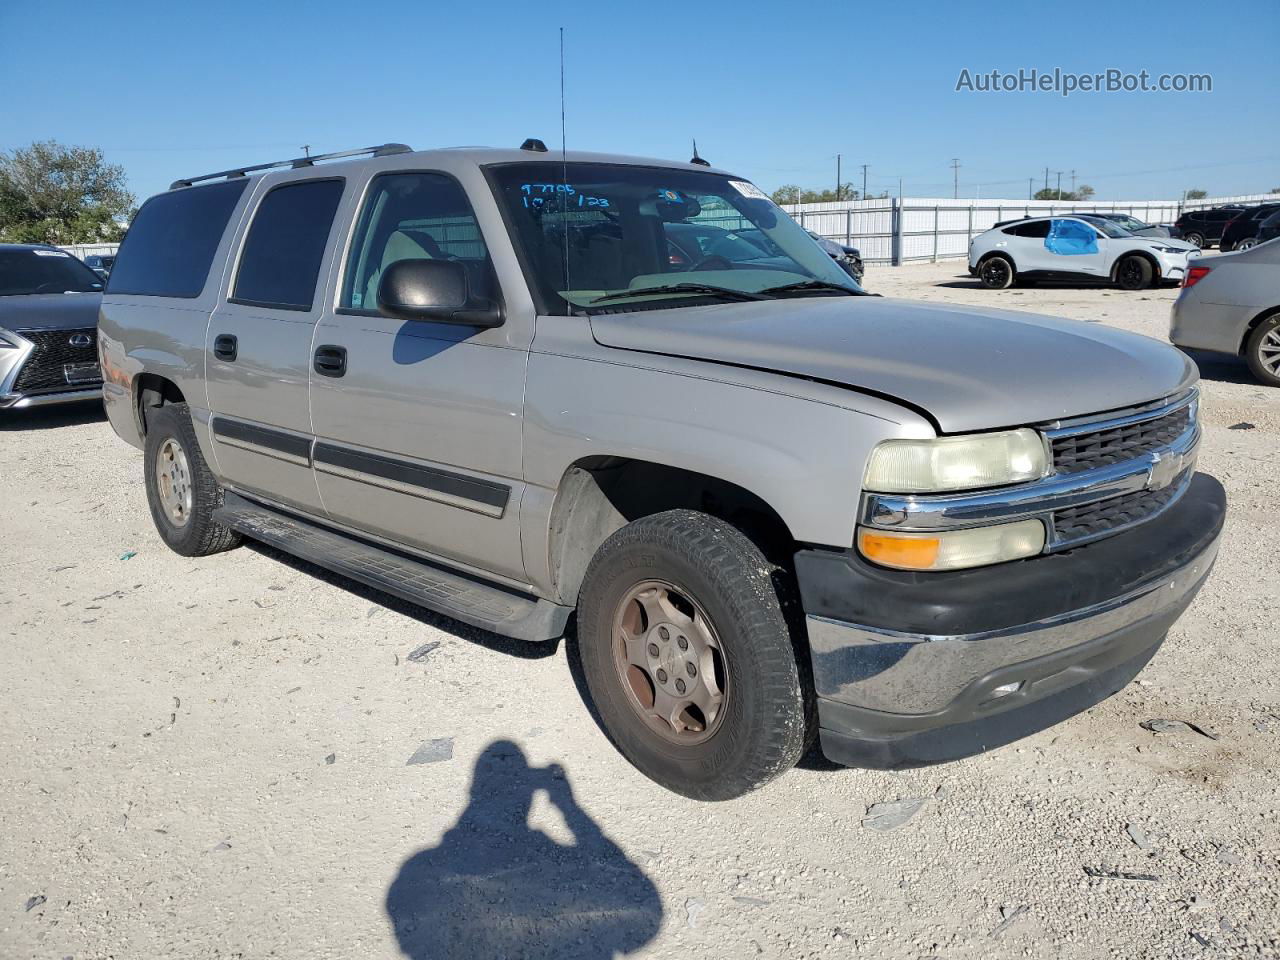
x=968 y=369
x=50 y=311
x=1163 y=240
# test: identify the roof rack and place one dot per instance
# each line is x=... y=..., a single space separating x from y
x=384 y=150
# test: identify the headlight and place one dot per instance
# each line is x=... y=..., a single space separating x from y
x=1172 y=250
x=956 y=463
x=952 y=549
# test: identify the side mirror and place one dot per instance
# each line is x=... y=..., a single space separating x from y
x=434 y=290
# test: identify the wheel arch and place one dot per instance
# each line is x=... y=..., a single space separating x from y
x=150 y=390
x=1156 y=273
x=1253 y=325
x=1005 y=254
x=599 y=495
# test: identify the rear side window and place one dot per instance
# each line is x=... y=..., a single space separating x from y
x=282 y=253
x=1039 y=228
x=171 y=242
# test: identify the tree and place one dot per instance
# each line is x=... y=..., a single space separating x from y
x=1084 y=193
x=1196 y=194
x=50 y=193
x=790 y=193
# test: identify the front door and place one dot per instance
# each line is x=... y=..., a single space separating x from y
x=258 y=349
x=418 y=431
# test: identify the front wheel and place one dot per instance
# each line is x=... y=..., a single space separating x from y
x=181 y=489
x=689 y=658
x=1134 y=273
x=1262 y=351
x=996 y=273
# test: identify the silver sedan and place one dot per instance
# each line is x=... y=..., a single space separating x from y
x=1231 y=304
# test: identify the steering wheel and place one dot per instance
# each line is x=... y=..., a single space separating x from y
x=713 y=262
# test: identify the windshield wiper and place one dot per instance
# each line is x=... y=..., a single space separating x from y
x=805 y=285
x=701 y=288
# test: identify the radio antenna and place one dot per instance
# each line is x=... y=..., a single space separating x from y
x=564 y=179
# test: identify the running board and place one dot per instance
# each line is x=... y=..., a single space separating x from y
x=452 y=593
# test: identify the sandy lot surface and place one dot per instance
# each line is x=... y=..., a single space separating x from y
x=213 y=759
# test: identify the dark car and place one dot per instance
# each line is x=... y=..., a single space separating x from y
x=1269 y=229
x=1241 y=232
x=48 y=327
x=101 y=265
x=849 y=258
x=1139 y=228
x=1204 y=227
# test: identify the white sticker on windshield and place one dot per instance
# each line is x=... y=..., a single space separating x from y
x=748 y=190
x=51 y=253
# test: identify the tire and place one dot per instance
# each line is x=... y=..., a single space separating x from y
x=765 y=719
x=1248 y=243
x=1197 y=239
x=1262 y=351
x=997 y=273
x=1134 y=273
x=181 y=490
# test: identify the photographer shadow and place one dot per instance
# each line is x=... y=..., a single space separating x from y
x=495 y=887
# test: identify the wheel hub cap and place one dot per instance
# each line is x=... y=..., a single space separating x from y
x=670 y=662
x=173 y=482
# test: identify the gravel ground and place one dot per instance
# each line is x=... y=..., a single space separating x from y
x=244 y=757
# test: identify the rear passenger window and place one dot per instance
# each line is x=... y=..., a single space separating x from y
x=1039 y=228
x=171 y=242
x=281 y=260
x=413 y=216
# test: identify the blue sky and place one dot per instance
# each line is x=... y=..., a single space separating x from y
x=772 y=91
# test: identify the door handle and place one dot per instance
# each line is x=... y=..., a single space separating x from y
x=225 y=347
x=331 y=360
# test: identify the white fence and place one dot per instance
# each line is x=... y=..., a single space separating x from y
x=896 y=231
x=83 y=250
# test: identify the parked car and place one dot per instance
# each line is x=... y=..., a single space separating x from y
x=48 y=327
x=1231 y=304
x=1203 y=228
x=1269 y=229
x=100 y=264
x=1241 y=232
x=1075 y=247
x=849 y=258
x=776 y=507
x=1137 y=227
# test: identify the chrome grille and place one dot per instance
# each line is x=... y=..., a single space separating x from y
x=46 y=367
x=1088 y=451
x=1092 y=520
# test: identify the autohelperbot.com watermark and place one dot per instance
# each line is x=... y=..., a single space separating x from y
x=1065 y=83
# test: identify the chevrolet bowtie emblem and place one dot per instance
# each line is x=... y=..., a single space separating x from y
x=1164 y=467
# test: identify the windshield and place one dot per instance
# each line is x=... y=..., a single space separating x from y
x=24 y=272
x=591 y=230
x=1107 y=228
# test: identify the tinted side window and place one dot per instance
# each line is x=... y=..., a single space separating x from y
x=1039 y=228
x=413 y=216
x=171 y=242
x=282 y=252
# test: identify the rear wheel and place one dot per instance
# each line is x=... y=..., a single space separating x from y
x=996 y=273
x=689 y=659
x=1262 y=351
x=1196 y=239
x=1134 y=273
x=1248 y=243
x=181 y=490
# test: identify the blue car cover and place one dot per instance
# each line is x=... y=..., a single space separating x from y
x=1071 y=238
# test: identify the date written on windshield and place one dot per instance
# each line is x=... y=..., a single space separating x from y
x=537 y=194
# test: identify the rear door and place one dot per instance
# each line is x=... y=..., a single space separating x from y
x=258 y=349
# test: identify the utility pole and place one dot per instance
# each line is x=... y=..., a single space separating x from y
x=1046 y=179
x=306 y=149
x=1031 y=188
x=1059 y=196
x=864 y=181
x=837 y=177
x=955 y=171
x=1073 y=181
x=899 y=191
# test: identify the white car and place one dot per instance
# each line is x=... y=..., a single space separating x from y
x=1075 y=247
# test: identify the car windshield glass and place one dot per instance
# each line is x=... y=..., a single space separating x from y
x=1107 y=228
x=592 y=230
x=24 y=272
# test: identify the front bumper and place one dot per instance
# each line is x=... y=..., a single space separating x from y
x=21 y=401
x=919 y=668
